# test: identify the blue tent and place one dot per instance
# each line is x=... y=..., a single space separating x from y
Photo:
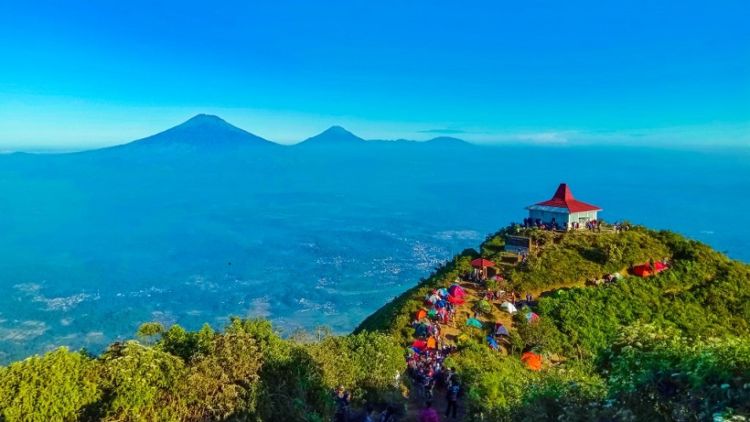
x=493 y=344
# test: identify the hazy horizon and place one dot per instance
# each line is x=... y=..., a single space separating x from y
x=508 y=140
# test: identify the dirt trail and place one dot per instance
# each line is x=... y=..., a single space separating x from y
x=451 y=332
x=439 y=402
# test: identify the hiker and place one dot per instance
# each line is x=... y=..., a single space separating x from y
x=367 y=415
x=428 y=414
x=426 y=389
x=341 y=398
x=452 y=398
x=449 y=376
x=388 y=415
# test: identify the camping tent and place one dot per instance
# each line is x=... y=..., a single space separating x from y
x=432 y=313
x=484 y=306
x=532 y=361
x=482 y=263
x=431 y=343
x=457 y=291
x=455 y=300
x=419 y=344
x=421 y=314
x=492 y=343
x=532 y=317
x=501 y=330
x=509 y=307
x=473 y=322
x=645 y=270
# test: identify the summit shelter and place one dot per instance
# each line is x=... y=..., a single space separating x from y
x=563 y=211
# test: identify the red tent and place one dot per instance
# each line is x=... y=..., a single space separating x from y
x=482 y=263
x=645 y=270
x=455 y=300
x=457 y=291
x=419 y=344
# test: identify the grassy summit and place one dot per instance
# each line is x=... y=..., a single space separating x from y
x=675 y=346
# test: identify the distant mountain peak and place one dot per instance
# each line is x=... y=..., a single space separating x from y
x=203 y=131
x=334 y=135
x=205 y=118
x=336 y=129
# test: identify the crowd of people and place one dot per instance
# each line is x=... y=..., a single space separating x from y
x=539 y=224
x=591 y=225
x=426 y=357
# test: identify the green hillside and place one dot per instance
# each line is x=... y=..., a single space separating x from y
x=675 y=346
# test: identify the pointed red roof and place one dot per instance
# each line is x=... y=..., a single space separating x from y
x=563 y=198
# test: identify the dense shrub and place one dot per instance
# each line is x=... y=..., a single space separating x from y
x=57 y=386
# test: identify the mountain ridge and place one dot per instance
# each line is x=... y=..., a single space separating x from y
x=206 y=132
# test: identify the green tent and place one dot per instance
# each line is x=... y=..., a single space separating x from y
x=484 y=307
x=473 y=322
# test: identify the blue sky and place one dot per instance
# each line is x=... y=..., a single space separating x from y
x=79 y=74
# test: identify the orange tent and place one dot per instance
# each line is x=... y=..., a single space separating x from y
x=431 y=343
x=532 y=361
x=421 y=314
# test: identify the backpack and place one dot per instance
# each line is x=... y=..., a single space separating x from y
x=453 y=392
x=448 y=377
x=385 y=417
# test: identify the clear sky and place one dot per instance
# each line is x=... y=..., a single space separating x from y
x=78 y=74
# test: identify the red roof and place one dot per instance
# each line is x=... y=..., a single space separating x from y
x=563 y=198
x=482 y=263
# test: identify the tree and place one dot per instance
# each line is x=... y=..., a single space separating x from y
x=57 y=386
x=149 y=330
x=140 y=383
